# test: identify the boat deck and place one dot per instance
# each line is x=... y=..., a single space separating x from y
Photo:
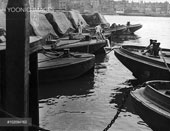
x=64 y=43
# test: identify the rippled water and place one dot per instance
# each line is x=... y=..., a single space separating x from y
x=90 y=102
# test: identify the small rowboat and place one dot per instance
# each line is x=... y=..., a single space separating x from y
x=152 y=103
x=145 y=66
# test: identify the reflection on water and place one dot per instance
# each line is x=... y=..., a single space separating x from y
x=82 y=86
x=124 y=37
x=90 y=102
x=121 y=95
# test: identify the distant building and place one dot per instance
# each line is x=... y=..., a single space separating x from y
x=95 y=4
x=77 y=4
x=38 y=3
x=44 y=4
x=119 y=7
x=62 y=4
x=103 y=6
x=120 y=11
x=107 y=6
x=31 y=2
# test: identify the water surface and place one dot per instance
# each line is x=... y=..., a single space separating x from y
x=90 y=102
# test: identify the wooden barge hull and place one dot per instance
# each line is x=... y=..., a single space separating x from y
x=155 y=120
x=142 y=67
x=51 y=70
x=92 y=47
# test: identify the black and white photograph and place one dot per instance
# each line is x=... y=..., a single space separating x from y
x=84 y=65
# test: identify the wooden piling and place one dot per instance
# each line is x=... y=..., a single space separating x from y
x=2 y=78
x=17 y=60
x=33 y=91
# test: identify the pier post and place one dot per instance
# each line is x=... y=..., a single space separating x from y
x=2 y=79
x=33 y=91
x=17 y=61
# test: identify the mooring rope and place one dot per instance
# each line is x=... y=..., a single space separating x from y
x=112 y=48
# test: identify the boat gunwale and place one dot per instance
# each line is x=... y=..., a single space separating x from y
x=80 y=44
x=89 y=58
x=149 y=60
x=148 y=105
x=157 y=97
x=134 y=26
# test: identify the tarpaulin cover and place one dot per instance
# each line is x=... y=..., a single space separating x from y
x=60 y=23
x=95 y=19
x=40 y=26
x=2 y=19
x=74 y=16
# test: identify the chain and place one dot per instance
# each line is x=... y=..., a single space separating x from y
x=124 y=99
x=125 y=96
